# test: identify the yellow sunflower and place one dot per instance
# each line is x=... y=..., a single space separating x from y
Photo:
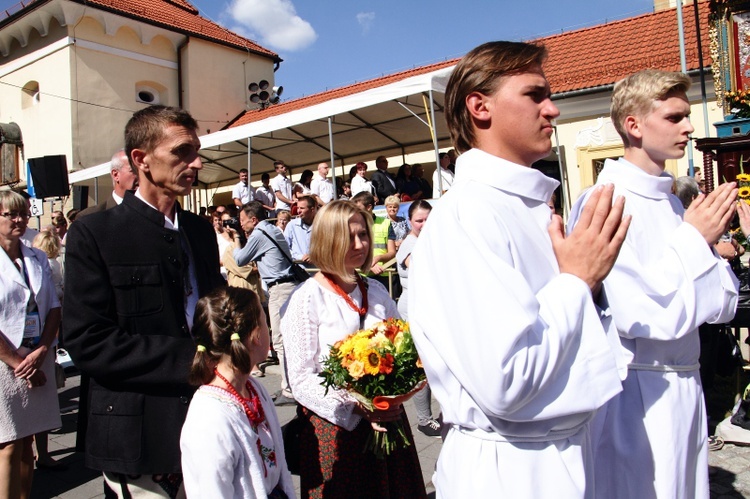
x=744 y=192
x=743 y=177
x=372 y=362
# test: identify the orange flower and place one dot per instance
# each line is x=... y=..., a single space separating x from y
x=386 y=364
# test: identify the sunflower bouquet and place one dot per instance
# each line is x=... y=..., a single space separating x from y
x=380 y=368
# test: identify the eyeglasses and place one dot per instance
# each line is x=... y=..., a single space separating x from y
x=15 y=215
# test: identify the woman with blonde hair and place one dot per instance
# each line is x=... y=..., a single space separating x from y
x=49 y=242
x=336 y=302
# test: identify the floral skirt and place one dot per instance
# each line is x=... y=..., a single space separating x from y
x=335 y=465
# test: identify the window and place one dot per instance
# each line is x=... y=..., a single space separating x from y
x=148 y=93
x=30 y=95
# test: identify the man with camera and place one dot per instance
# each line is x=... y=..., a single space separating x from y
x=266 y=246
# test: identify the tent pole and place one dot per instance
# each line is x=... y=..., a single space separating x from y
x=435 y=144
x=333 y=165
x=249 y=162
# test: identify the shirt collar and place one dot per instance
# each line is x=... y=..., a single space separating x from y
x=479 y=166
x=626 y=175
x=168 y=224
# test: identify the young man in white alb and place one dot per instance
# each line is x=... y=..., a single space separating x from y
x=650 y=440
x=501 y=303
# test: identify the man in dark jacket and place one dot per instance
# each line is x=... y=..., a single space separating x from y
x=134 y=275
x=383 y=181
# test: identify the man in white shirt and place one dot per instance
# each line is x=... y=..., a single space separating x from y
x=321 y=186
x=500 y=300
x=124 y=178
x=282 y=187
x=445 y=173
x=264 y=194
x=667 y=281
x=242 y=193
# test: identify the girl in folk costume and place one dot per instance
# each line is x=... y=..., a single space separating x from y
x=231 y=442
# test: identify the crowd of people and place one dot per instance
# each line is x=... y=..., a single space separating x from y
x=565 y=362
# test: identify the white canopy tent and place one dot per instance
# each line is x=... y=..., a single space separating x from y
x=342 y=126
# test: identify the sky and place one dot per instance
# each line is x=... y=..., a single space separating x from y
x=332 y=43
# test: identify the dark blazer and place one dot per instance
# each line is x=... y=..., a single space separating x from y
x=125 y=328
x=104 y=205
x=383 y=188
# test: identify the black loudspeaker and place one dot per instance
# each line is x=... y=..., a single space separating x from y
x=80 y=197
x=50 y=176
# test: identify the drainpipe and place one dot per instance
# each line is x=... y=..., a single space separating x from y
x=179 y=70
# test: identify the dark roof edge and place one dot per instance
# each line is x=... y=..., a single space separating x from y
x=22 y=12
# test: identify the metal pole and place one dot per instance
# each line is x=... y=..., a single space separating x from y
x=249 y=161
x=435 y=144
x=683 y=66
x=333 y=165
x=704 y=99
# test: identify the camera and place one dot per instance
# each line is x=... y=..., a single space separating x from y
x=233 y=223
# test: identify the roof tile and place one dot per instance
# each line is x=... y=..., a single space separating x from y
x=182 y=16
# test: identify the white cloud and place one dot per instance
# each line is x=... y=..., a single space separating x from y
x=272 y=22
x=365 y=19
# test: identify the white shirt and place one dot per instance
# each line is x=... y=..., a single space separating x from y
x=447 y=181
x=361 y=184
x=322 y=187
x=243 y=192
x=284 y=185
x=513 y=350
x=221 y=452
x=265 y=196
x=315 y=319
x=665 y=283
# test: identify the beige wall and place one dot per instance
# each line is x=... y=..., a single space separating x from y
x=216 y=79
x=46 y=123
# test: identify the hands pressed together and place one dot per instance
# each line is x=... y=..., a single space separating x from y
x=711 y=214
x=590 y=250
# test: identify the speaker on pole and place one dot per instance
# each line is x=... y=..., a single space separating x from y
x=50 y=176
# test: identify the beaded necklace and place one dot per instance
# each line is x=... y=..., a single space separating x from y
x=362 y=311
x=254 y=414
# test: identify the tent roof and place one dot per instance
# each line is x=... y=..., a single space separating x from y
x=389 y=119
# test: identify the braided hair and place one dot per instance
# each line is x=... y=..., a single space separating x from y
x=223 y=321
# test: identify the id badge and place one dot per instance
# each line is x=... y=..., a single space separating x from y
x=32 y=328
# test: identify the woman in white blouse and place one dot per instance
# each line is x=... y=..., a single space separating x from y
x=333 y=304
x=360 y=182
x=29 y=322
